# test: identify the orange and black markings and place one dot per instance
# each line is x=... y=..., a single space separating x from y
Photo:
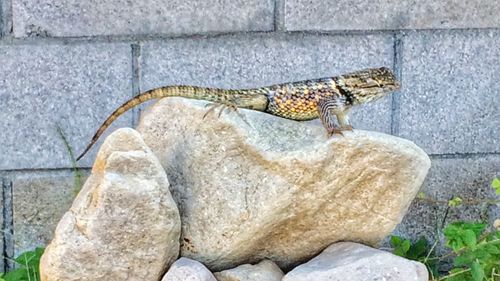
x=299 y=101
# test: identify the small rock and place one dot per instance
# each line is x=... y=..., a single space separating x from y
x=356 y=262
x=251 y=186
x=188 y=270
x=123 y=225
x=266 y=270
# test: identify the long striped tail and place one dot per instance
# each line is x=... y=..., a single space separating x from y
x=253 y=99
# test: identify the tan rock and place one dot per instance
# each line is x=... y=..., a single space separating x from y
x=252 y=186
x=355 y=262
x=123 y=225
x=266 y=270
x=188 y=270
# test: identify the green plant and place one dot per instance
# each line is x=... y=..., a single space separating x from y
x=418 y=251
x=476 y=251
x=496 y=185
x=27 y=267
x=474 y=248
x=78 y=175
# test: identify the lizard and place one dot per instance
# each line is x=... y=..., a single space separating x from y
x=328 y=99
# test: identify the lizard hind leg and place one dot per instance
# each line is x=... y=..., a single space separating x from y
x=225 y=105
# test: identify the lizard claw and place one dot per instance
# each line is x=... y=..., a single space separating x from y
x=338 y=130
x=334 y=131
x=212 y=108
x=223 y=106
x=346 y=128
x=229 y=107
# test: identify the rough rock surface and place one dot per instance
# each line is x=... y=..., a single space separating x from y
x=356 y=262
x=188 y=270
x=123 y=225
x=265 y=270
x=252 y=186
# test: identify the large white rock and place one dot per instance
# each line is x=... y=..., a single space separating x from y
x=123 y=225
x=188 y=270
x=355 y=262
x=265 y=270
x=252 y=186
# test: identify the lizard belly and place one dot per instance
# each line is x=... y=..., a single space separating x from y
x=296 y=106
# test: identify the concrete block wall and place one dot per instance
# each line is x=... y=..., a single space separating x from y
x=70 y=63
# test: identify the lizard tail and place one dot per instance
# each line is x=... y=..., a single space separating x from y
x=253 y=99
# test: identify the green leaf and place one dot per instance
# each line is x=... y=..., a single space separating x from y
x=464 y=259
x=30 y=258
x=469 y=238
x=28 y=267
x=421 y=195
x=19 y=274
x=403 y=248
x=455 y=202
x=406 y=245
x=478 y=228
x=477 y=271
x=461 y=275
x=459 y=234
x=451 y=230
x=396 y=240
x=418 y=250
x=496 y=185
x=400 y=245
x=492 y=249
x=454 y=242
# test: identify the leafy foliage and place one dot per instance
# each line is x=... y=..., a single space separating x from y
x=418 y=251
x=474 y=247
x=27 y=267
x=476 y=252
x=461 y=234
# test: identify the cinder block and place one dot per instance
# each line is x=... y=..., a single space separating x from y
x=390 y=14
x=470 y=179
x=40 y=199
x=76 y=86
x=246 y=61
x=450 y=96
x=114 y=17
x=5 y=230
x=1 y=18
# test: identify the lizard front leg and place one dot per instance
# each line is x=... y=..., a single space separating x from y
x=343 y=120
x=331 y=108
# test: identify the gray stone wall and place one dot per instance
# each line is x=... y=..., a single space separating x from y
x=70 y=63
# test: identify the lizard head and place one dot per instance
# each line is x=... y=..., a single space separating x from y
x=369 y=84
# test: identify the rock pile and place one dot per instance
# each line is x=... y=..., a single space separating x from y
x=248 y=186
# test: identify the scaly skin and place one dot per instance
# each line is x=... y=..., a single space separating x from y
x=327 y=98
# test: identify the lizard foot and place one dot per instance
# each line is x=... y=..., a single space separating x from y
x=334 y=131
x=338 y=130
x=222 y=106
x=346 y=128
x=225 y=106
